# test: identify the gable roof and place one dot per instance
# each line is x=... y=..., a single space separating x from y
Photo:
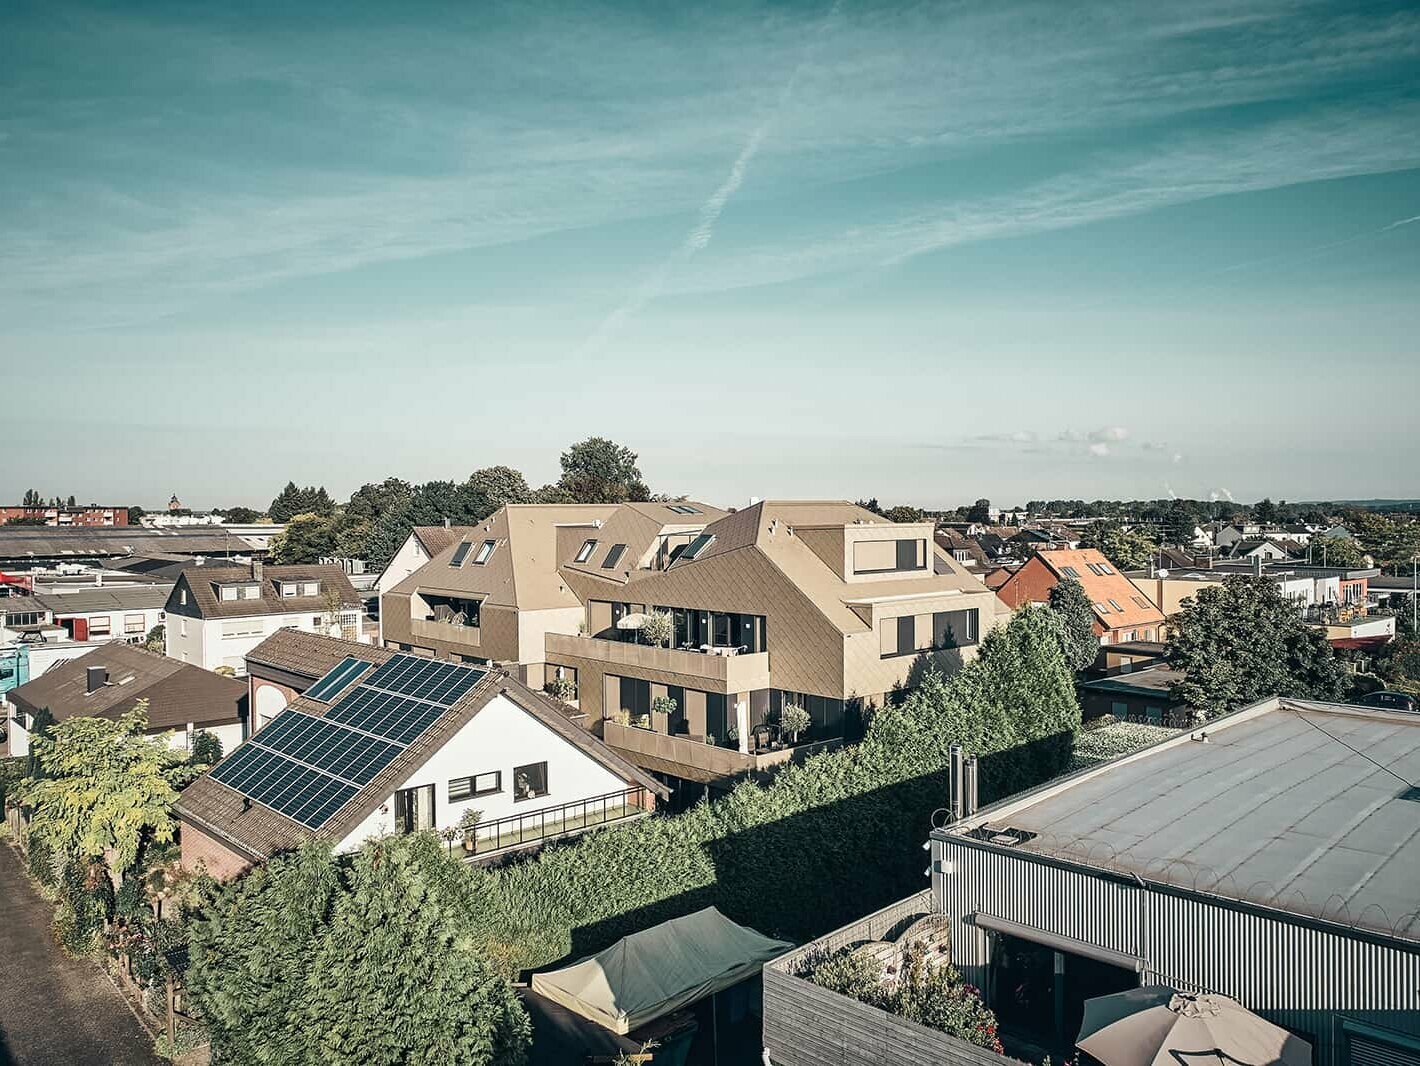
x=203 y=582
x=637 y=528
x=434 y=539
x=1103 y=583
x=260 y=832
x=177 y=692
x=137 y=597
x=310 y=655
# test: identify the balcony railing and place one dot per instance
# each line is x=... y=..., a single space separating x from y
x=535 y=827
x=718 y=761
x=725 y=673
x=447 y=632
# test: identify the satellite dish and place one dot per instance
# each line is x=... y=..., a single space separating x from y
x=1163 y=573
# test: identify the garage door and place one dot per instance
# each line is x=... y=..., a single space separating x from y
x=1374 y=1051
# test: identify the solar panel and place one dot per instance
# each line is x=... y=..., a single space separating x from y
x=297 y=791
x=339 y=676
x=426 y=679
x=308 y=767
x=328 y=746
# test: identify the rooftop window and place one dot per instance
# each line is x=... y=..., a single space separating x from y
x=484 y=551
x=613 y=557
x=698 y=545
x=460 y=554
x=1102 y=608
x=1115 y=605
x=585 y=551
x=685 y=508
x=1070 y=571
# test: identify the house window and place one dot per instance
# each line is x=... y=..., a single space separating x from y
x=585 y=551
x=1102 y=608
x=955 y=629
x=462 y=788
x=308 y=588
x=1141 y=602
x=889 y=556
x=228 y=592
x=242 y=627
x=182 y=597
x=698 y=545
x=1070 y=571
x=613 y=557
x=530 y=781
x=484 y=552
x=289 y=588
x=316 y=622
x=683 y=508
x=100 y=625
x=1115 y=605
x=460 y=554
x=414 y=809
x=135 y=623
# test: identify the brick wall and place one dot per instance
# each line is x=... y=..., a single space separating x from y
x=215 y=857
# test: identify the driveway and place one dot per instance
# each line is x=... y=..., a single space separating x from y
x=54 y=1010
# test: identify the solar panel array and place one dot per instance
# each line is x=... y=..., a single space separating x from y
x=344 y=672
x=308 y=767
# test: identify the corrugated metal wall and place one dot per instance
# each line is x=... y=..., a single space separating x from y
x=1303 y=977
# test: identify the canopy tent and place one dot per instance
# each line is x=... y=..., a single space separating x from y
x=659 y=970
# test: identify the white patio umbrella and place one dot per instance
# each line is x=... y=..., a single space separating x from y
x=1157 y=1026
x=632 y=621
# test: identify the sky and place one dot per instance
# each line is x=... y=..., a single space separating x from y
x=926 y=252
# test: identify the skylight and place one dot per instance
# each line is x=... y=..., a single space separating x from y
x=1070 y=571
x=585 y=551
x=613 y=557
x=460 y=554
x=685 y=508
x=696 y=546
x=484 y=552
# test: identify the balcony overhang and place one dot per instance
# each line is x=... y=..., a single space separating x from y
x=713 y=673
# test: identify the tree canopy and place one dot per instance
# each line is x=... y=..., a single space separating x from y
x=306 y=539
x=1242 y=641
x=1077 y=624
x=980 y=511
x=598 y=470
x=292 y=501
x=1126 y=549
x=103 y=789
x=317 y=960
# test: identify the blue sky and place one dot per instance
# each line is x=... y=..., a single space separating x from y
x=926 y=252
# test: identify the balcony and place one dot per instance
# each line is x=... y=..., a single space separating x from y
x=550 y=823
x=727 y=673
x=726 y=763
x=445 y=632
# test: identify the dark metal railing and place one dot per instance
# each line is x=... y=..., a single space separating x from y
x=518 y=830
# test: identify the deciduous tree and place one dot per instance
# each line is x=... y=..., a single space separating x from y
x=598 y=470
x=1077 y=624
x=1242 y=641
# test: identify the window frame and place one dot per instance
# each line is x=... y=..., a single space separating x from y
x=473 y=791
x=586 y=551
x=460 y=553
x=546 y=782
x=613 y=556
x=485 y=552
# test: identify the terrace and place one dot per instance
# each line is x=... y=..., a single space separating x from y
x=569 y=819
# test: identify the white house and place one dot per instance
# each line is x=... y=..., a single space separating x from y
x=216 y=614
x=126 y=612
x=110 y=679
x=370 y=750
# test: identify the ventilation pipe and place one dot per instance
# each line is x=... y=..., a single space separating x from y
x=96 y=677
x=969 y=793
x=255 y=568
x=955 y=784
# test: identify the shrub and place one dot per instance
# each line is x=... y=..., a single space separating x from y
x=206 y=748
x=562 y=688
x=659 y=628
x=930 y=994
x=793 y=720
x=776 y=857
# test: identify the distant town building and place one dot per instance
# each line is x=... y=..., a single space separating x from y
x=93 y=515
x=1122 y=612
x=174 y=504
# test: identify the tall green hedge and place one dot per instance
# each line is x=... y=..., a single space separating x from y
x=823 y=843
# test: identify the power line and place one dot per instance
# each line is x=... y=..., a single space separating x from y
x=1348 y=747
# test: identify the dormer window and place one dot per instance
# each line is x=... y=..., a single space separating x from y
x=238 y=592
x=585 y=551
x=460 y=554
x=698 y=545
x=290 y=588
x=484 y=551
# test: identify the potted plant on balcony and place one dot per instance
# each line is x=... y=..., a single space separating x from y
x=732 y=736
x=662 y=707
x=561 y=688
x=793 y=720
x=658 y=629
x=468 y=826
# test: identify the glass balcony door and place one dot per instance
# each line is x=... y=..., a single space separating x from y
x=414 y=809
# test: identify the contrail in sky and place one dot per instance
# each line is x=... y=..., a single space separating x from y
x=654 y=284
x=1316 y=250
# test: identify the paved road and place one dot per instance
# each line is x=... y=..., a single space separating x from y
x=54 y=1010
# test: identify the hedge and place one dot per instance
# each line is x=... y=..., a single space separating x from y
x=822 y=844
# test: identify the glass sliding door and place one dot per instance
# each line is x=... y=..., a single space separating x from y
x=414 y=809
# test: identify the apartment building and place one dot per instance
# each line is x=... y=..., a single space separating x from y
x=1122 y=611
x=820 y=605
x=217 y=614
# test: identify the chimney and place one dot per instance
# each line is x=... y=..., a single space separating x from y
x=1257 y=566
x=256 y=568
x=446 y=523
x=955 y=785
x=96 y=678
x=969 y=794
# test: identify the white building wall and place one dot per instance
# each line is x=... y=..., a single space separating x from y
x=213 y=642
x=410 y=557
x=500 y=737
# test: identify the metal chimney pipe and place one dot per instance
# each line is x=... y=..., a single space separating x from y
x=95 y=678
x=955 y=783
x=969 y=773
x=256 y=568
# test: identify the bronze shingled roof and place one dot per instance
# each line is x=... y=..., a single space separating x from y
x=310 y=655
x=259 y=832
x=177 y=692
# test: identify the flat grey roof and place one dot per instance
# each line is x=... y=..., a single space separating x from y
x=1275 y=809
